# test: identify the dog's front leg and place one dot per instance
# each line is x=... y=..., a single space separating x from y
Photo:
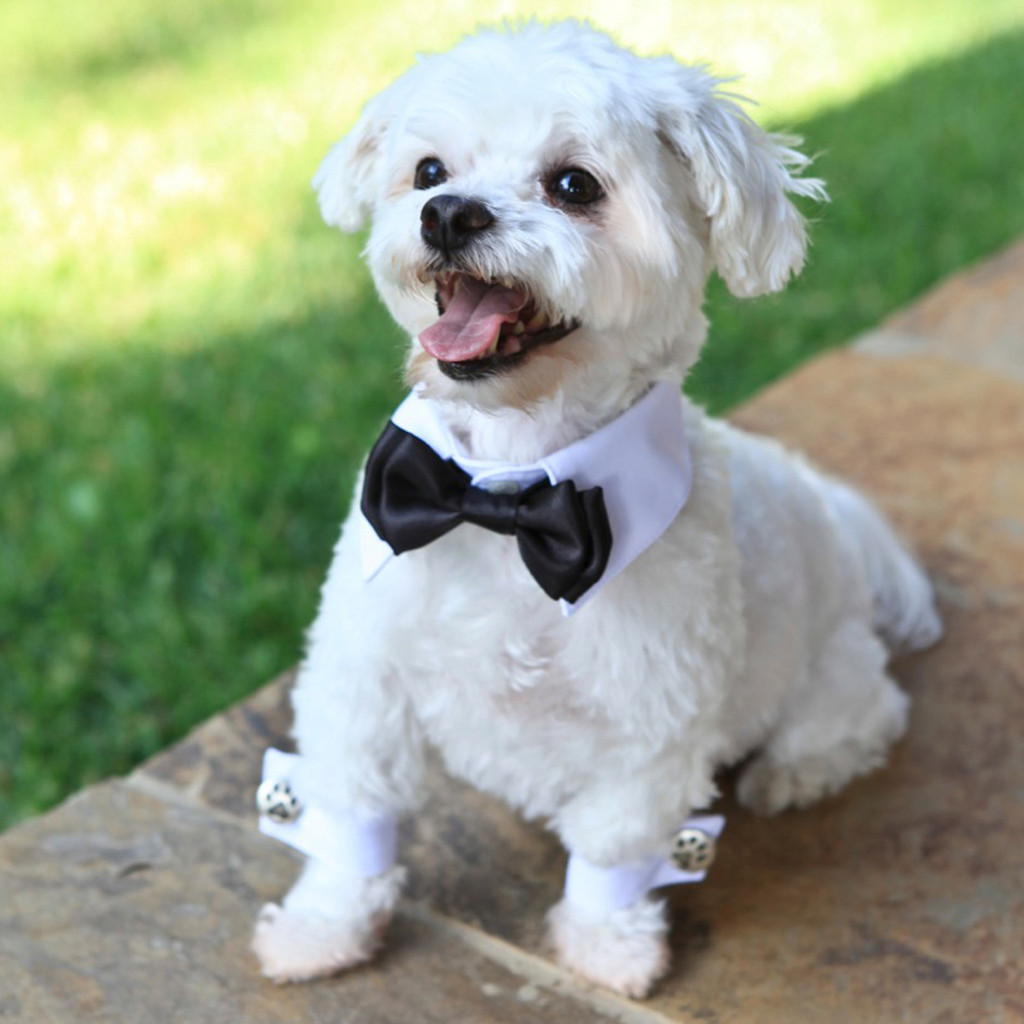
x=358 y=770
x=608 y=928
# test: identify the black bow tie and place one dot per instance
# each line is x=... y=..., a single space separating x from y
x=411 y=496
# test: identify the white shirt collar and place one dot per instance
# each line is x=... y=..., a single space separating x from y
x=640 y=460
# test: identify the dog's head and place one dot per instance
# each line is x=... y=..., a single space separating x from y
x=547 y=206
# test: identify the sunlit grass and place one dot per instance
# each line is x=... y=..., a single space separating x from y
x=161 y=154
x=191 y=363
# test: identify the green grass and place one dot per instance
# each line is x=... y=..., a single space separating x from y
x=191 y=364
x=926 y=175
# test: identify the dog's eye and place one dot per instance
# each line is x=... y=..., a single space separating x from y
x=430 y=173
x=574 y=186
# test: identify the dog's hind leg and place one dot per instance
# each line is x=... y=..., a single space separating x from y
x=838 y=726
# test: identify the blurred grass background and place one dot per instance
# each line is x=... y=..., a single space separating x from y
x=191 y=364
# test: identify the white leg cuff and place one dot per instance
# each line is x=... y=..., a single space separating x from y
x=602 y=891
x=355 y=844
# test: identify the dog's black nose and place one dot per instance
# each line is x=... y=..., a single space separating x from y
x=448 y=223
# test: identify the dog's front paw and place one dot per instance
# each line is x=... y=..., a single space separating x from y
x=297 y=945
x=325 y=925
x=626 y=951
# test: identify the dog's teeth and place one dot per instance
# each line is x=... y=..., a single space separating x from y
x=519 y=327
x=537 y=322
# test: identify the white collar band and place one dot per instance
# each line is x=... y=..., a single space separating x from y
x=640 y=460
x=602 y=891
x=358 y=845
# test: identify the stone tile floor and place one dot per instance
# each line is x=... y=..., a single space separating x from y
x=902 y=899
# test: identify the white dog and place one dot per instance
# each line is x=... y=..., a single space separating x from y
x=546 y=210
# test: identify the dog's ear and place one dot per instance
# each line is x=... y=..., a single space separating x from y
x=346 y=181
x=743 y=176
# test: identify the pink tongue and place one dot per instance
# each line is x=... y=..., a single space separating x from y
x=472 y=320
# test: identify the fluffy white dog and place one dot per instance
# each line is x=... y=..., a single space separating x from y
x=546 y=210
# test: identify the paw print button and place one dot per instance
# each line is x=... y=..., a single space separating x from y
x=276 y=800
x=693 y=849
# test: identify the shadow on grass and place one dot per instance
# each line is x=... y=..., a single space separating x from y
x=167 y=518
x=166 y=524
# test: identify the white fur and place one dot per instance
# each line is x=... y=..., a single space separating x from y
x=627 y=950
x=328 y=923
x=749 y=626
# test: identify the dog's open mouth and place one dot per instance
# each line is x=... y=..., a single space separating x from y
x=486 y=327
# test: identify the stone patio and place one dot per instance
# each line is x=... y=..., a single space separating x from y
x=900 y=900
